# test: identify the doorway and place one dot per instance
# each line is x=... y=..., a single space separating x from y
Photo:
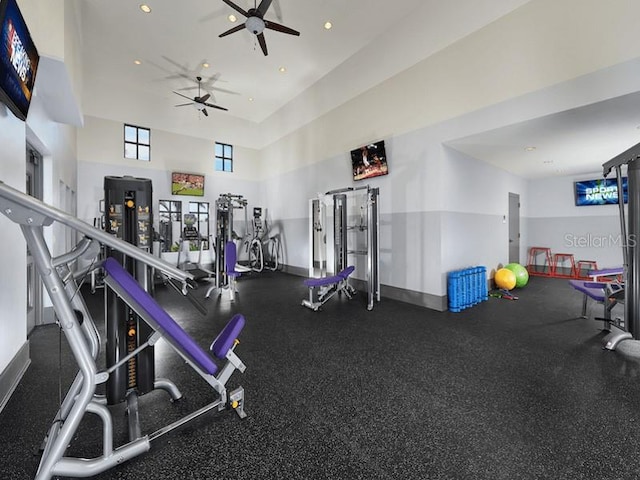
x=514 y=228
x=34 y=285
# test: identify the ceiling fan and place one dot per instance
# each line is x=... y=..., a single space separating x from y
x=200 y=102
x=256 y=23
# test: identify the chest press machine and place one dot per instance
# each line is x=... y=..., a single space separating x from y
x=60 y=278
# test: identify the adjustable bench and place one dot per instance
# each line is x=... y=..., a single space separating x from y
x=322 y=289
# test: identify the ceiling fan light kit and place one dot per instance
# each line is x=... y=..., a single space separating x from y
x=199 y=102
x=256 y=23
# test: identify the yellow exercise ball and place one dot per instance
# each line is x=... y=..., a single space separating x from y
x=505 y=279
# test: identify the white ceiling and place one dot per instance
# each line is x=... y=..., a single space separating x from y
x=571 y=142
x=371 y=40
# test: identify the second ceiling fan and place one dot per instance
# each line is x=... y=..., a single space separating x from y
x=200 y=102
x=256 y=23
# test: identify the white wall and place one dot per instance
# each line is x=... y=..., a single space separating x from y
x=589 y=233
x=57 y=144
x=442 y=210
x=13 y=292
x=101 y=153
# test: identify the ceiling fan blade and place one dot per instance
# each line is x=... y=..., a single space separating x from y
x=264 y=6
x=280 y=28
x=216 y=106
x=263 y=43
x=203 y=98
x=183 y=104
x=183 y=96
x=235 y=29
x=236 y=7
x=204 y=110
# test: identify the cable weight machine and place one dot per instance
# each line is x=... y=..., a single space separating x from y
x=350 y=232
x=129 y=217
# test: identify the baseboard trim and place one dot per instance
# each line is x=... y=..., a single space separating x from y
x=11 y=376
x=426 y=300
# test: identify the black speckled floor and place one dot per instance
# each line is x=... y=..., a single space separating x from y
x=504 y=390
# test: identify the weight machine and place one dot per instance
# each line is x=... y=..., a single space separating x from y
x=350 y=228
x=129 y=217
x=630 y=233
x=62 y=277
x=225 y=206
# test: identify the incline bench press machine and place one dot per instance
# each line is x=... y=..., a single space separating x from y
x=60 y=279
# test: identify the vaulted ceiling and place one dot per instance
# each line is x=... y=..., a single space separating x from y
x=133 y=62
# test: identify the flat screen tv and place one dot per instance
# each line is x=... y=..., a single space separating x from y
x=369 y=161
x=187 y=184
x=18 y=60
x=602 y=191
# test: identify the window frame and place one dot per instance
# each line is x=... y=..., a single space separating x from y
x=137 y=144
x=226 y=161
x=198 y=214
x=170 y=215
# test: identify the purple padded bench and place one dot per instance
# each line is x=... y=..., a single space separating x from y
x=319 y=282
x=151 y=312
x=322 y=289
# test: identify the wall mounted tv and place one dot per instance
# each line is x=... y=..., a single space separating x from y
x=602 y=191
x=369 y=161
x=18 y=60
x=187 y=184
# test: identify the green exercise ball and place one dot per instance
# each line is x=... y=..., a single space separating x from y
x=505 y=279
x=522 y=276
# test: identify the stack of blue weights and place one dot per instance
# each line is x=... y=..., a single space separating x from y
x=466 y=288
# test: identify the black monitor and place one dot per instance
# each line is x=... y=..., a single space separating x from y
x=18 y=60
x=369 y=161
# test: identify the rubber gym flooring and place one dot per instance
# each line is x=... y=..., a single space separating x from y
x=504 y=390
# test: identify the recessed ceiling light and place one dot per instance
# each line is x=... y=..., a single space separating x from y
x=282 y=69
x=137 y=62
x=205 y=65
x=145 y=8
x=529 y=149
x=328 y=25
x=251 y=99
x=232 y=18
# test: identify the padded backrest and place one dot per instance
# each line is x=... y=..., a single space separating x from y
x=230 y=257
x=224 y=341
x=152 y=313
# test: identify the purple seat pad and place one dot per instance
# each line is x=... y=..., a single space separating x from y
x=593 y=290
x=224 y=341
x=342 y=275
x=166 y=324
x=318 y=282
